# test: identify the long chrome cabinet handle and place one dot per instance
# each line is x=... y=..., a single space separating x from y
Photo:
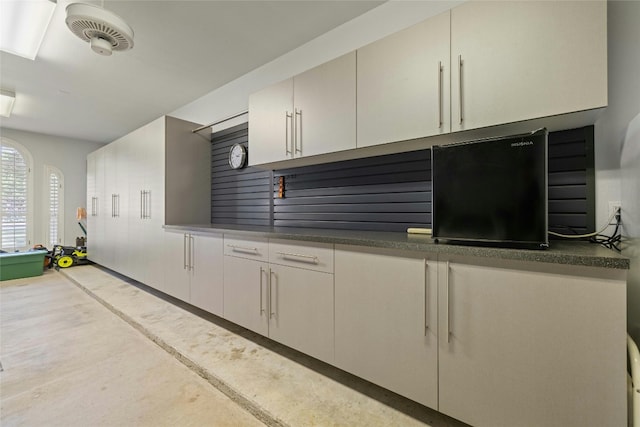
x=243 y=249
x=461 y=98
x=148 y=200
x=272 y=311
x=146 y=204
x=192 y=249
x=141 y=204
x=297 y=131
x=287 y=128
x=262 y=271
x=426 y=297
x=184 y=251
x=439 y=94
x=448 y=304
x=311 y=259
x=118 y=205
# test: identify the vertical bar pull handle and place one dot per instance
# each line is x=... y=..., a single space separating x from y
x=460 y=85
x=184 y=251
x=262 y=271
x=439 y=94
x=141 y=203
x=272 y=311
x=288 y=129
x=191 y=251
x=448 y=304
x=298 y=131
x=426 y=297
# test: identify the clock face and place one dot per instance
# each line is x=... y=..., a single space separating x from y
x=237 y=156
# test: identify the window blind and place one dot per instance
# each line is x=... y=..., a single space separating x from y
x=14 y=172
x=54 y=208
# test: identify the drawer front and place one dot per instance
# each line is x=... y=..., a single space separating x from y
x=307 y=255
x=257 y=249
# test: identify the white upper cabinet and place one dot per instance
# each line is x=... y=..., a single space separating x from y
x=270 y=123
x=403 y=84
x=312 y=113
x=520 y=60
x=325 y=108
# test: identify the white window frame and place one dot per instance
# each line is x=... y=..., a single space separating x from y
x=6 y=142
x=48 y=171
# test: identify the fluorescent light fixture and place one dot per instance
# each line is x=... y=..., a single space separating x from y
x=23 y=24
x=6 y=102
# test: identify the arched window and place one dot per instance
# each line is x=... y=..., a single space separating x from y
x=54 y=203
x=16 y=196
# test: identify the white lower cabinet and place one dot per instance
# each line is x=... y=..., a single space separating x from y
x=194 y=269
x=301 y=310
x=531 y=344
x=386 y=320
x=245 y=293
x=290 y=299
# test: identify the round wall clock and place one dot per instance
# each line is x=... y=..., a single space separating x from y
x=237 y=156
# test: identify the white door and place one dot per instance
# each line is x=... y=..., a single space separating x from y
x=403 y=84
x=385 y=320
x=207 y=261
x=301 y=310
x=531 y=345
x=245 y=293
x=271 y=123
x=520 y=60
x=325 y=108
x=176 y=273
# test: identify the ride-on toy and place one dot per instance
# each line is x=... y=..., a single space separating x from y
x=67 y=256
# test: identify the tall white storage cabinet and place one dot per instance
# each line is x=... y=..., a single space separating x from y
x=519 y=60
x=96 y=207
x=158 y=174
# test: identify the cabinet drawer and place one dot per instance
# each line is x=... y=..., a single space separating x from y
x=257 y=249
x=307 y=255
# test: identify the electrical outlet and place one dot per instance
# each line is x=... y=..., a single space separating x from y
x=613 y=206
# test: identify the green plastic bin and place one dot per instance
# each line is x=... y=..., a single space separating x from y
x=16 y=265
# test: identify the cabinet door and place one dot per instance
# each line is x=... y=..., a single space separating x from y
x=524 y=60
x=325 y=107
x=207 y=260
x=271 y=123
x=95 y=208
x=301 y=310
x=385 y=320
x=152 y=164
x=108 y=208
x=403 y=84
x=245 y=293
x=176 y=273
x=531 y=345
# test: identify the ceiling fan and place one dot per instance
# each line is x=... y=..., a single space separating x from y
x=104 y=30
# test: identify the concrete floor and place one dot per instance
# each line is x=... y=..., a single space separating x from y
x=128 y=357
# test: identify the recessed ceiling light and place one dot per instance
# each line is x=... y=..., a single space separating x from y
x=6 y=102
x=23 y=25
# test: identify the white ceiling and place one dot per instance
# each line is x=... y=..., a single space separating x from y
x=183 y=50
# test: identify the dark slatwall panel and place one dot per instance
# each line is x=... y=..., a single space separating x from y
x=386 y=193
x=572 y=181
x=243 y=196
x=391 y=193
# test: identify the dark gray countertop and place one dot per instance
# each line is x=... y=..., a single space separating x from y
x=560 y=252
